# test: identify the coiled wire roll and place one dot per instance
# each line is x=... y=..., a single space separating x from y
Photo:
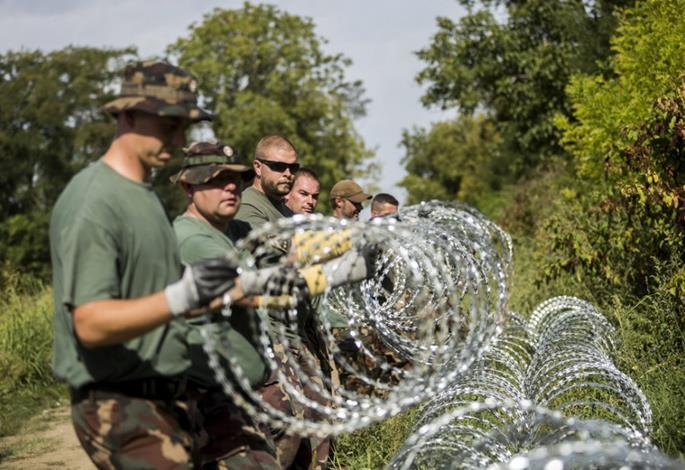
x=447 y=268
x=558 y=401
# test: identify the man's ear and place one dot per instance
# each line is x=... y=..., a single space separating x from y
x=257 y=165
x=188 y=189
x=129 y=118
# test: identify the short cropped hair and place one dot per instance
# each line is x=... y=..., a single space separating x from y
x=304 y=171
x=272 y=141
x=383 y=198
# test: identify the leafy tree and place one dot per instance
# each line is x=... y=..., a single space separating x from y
x=627 y=144
x=50 y=127
x=516 y=69
x=607 y=111
x=620 y=227
x=453 y=160
x=263 y=71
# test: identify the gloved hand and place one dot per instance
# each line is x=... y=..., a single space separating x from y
x=287 y=281
x=320 y=245
x=354 y=266
x=201 y=282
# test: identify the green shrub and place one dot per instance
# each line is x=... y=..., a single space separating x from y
x=651 y=333
x=624 y=214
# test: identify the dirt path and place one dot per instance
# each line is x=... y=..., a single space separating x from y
x=47 y=442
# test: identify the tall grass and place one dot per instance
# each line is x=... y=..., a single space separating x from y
x=372 y=447
x=651 y=350
x=26 y=381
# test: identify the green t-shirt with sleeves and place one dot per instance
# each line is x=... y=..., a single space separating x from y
x=256 y=209
x=198 y=240
x=110 y=239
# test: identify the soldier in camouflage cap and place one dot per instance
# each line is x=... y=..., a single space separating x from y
x=212 y=176
x=120 y=291
x=158 y=88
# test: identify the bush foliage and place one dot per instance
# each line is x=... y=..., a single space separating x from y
x=599 y=209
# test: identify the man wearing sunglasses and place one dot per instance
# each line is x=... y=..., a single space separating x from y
x=275 y=165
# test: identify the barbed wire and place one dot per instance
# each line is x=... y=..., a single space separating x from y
x=545 y=395
x=429 y=326
x=432 y=305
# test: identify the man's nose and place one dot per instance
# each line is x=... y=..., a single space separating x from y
x=230 y=185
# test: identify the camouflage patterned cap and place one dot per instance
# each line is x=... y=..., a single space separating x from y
x=206 y=160
x=158 y=88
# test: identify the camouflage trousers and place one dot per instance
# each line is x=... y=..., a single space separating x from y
x=374 y=360
x=294 y=451
x=204 y=431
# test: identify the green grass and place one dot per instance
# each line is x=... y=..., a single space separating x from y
x=372 y=447
x=27 y=385
x=651 y=331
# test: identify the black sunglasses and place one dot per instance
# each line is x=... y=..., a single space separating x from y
x=280 y=167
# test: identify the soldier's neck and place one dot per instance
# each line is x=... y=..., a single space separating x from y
x=125 y=161
x=192 y=211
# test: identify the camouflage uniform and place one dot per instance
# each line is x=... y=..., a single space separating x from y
x=368 y=363
x=125 y=432
x=229 y=438
x=198 y=240
x=119 y=431
x=225 y=426
x=293 y=450
x=132 y=406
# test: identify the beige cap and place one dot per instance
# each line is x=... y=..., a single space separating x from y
x=348 y=189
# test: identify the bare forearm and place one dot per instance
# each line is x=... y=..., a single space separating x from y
x=110 y=322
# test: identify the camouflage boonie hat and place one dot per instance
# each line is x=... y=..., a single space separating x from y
x=158 y=88
x=206 y=160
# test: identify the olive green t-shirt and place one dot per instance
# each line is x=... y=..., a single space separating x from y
x=110 y=239
x=256 y=209
x=198 y=240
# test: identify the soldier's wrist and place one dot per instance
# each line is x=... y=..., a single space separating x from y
x=182 y=295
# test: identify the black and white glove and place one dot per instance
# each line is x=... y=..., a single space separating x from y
x=201 y=282
x=287 y=281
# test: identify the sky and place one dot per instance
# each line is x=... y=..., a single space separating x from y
x=380 y=36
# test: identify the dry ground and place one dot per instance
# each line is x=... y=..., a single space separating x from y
x=47 y=442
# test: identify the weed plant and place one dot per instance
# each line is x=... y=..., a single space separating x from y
x=27 y=385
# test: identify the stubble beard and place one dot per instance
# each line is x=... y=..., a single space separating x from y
x=273 y=191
